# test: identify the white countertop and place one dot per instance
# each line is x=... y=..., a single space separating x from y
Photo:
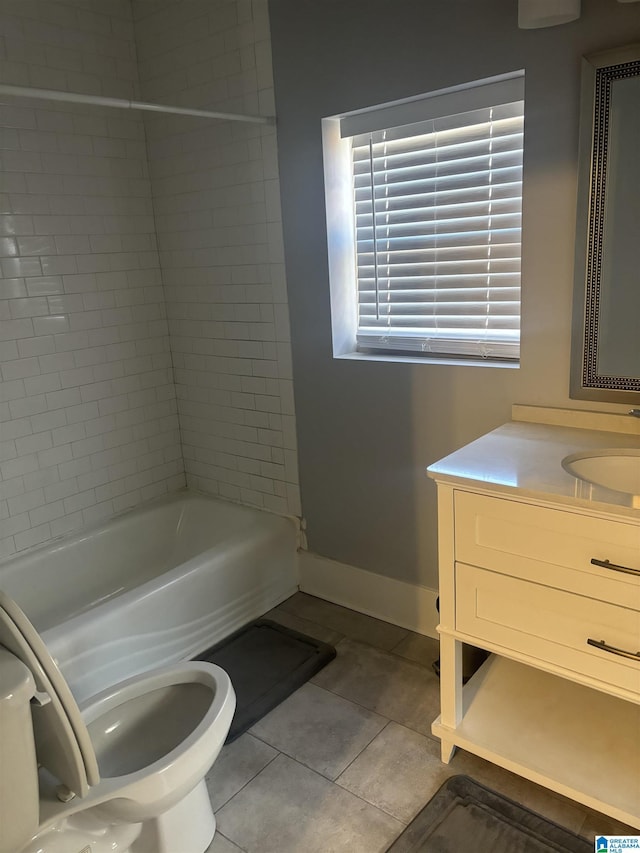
x=527 y=457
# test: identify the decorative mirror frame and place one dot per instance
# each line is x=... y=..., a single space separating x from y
x=598 y=72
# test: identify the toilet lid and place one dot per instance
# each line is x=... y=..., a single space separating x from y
x=63 y=744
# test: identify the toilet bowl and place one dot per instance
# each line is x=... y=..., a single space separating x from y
x=125 y=774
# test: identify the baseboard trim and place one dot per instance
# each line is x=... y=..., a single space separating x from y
x=407 y=605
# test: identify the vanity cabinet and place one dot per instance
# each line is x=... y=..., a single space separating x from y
x=553 y=591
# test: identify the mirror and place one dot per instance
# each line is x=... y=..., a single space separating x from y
x=606 y=323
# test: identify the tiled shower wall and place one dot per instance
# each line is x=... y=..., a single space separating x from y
x=88 y=422
x=217 y=207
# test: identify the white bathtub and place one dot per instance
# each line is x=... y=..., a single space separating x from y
x=158 y=584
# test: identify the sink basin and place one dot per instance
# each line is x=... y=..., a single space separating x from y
x=614 y=469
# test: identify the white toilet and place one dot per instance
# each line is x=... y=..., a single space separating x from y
x=126 y=775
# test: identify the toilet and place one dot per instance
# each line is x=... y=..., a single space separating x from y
x=125 y=774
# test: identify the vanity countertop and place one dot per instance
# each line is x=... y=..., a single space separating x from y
x=527 y=457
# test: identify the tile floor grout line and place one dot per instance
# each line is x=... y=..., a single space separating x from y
x=239 y=846
x=337 y=780
x=272 y=759
x=373 y=711
x=404 y=823
x=363 y=748
x=308 y=766
x=380 y=808
x=357 y=796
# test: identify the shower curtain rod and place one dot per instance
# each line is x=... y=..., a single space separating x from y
x=125 y=104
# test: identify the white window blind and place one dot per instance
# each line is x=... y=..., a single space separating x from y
x=437 y=228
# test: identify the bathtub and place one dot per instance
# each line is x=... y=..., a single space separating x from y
x=157 y=584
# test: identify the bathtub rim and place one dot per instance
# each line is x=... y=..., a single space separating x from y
x=184 y=493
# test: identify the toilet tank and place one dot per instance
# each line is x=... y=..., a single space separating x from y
x=19 y=806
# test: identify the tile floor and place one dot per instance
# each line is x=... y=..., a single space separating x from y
x=347 y=761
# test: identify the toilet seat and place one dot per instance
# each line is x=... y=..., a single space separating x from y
x=151 y=780
x=63 y=743
x=136 y=756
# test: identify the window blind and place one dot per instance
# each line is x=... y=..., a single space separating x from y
x=437 y=227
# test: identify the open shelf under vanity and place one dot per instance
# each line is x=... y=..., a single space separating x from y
x=568 y=737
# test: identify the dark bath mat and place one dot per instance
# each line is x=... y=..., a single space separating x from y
x=266 y=663
x=465 y=817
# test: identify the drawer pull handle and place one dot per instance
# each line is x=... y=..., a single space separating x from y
x=605 y=564
x=605 y=647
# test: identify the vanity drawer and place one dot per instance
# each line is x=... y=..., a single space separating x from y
x=549 y=625
x=551 y=546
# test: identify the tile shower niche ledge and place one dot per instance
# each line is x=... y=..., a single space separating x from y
x=545 y=575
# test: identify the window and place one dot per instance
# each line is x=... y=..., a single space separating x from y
x=435 y=197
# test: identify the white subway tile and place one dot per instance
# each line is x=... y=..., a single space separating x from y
x=94 y=514
x=74 y=468
x=79 y=501
x=44 y=286
x=19 y=368
x=13 y=288
x=14 y=428
x=58 y=265
x=11 y=487
x=14 y=524
x=69 y=341
x=83 y=412
x=36 y=245
x=7 y=547
x=9 y=350
x=68 y=434
x=54 y=456
x=36 y=306
x=72 y=244
x=34 y=536
x=86 y=328
x=42 y=384
x=48 y=420
x=33 y=443
x=16 y=467
x=11 y=390
x=34 y=346
x=52 y=325
x=14 y=267
x=67 y=524
x=63 y=399
x=56 y=491
x=276 y=504
x=46 y=513
x=8 y=247
x=28 y=406
x=7 y=449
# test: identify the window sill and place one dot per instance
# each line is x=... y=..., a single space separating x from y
x=451 y=361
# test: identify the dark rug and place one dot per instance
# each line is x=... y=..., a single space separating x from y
x=266 y=663
x=465 y=817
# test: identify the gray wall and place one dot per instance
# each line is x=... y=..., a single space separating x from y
x=367 y=430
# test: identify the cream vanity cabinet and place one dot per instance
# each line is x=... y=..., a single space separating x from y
x=551 y=586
